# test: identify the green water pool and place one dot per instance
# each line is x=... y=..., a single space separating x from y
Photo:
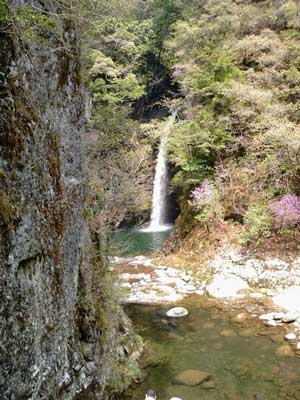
x=135 y=242
x=242 y=359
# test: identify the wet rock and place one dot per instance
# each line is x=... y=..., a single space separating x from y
x=284 y=351
x=247 y=332
x=210 y=384
x=153 y=356
x=218 y=346
x=228 y=333
x=177 y=312
x=208 y=325
x=290 y=337
x=240 y=318
x=277 y=338
x=191 y=377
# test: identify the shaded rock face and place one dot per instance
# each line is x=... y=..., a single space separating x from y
x=49 y=343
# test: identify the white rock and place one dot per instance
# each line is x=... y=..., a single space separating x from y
x=290 y=316
x=271 y=323
x=190 y=288
x=267 y=317
x=175 y=398
x=278 y=315
x=226 y=286
x=298 y=346
x=290 y=336
x=277 y=264
x=289 y=299
x=177 y=312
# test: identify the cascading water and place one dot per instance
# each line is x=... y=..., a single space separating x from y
x=161 y=180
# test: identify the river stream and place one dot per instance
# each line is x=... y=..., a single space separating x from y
x=244 y=359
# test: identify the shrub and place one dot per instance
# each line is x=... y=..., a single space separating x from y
x=206 y=200
x=285 y=211
x=258 y=222
x=202 y=195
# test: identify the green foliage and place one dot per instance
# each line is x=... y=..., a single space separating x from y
x=33 y=24
x=258 y=223
x=4 y=11
x=237 y=66
x=212 y=212
x=208 y=81
x=195 y=144
x=164 y=15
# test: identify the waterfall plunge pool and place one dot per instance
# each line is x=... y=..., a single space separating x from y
x=134 y=242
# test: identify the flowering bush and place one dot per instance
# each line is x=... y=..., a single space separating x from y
x=286 y=211
x=202 y=195
x=206 y=200
x=177 y=72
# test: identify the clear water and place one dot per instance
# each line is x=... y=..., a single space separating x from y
x=136 y=242
x=243 y=367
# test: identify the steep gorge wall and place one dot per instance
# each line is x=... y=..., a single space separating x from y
x=51 y=344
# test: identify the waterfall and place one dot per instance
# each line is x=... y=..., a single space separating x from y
x=161 y=181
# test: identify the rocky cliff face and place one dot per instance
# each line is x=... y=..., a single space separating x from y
x=52 y=346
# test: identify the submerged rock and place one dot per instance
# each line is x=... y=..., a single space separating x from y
x=240 y=318
x=284 y=351
x=209 y=384
x=191 y=377
x=227 y=333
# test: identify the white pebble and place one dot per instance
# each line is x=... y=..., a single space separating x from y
x=271 y=323
x=298 y=346
x=290 y=336
x=267 y=317
x=177 y=312
x=278 y=315
x=290 y=316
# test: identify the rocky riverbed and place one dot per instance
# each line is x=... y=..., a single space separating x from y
x=230 y=277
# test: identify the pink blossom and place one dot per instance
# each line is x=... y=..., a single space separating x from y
x=177 y=71
x=202 y=194
x=285 y=211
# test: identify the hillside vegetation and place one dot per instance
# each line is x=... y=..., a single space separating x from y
x=234 y=66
